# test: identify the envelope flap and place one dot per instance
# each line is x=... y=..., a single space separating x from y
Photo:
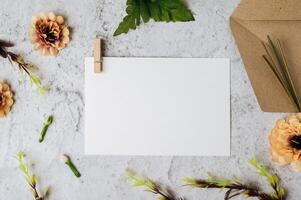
x=268 y=10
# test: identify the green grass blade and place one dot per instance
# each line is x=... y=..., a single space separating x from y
x=286 y=70
x=279 y=66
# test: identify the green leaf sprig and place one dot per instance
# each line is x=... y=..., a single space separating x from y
x=233 y=186
x=150 y=186
x=65 y=159
x=273 y=179
x=23 y=66
x=30 y=179
x=158 y=10
x=47 y=122
x=236 y=188
x=276 y=61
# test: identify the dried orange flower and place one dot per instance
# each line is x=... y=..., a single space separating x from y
x=6 y=99
x=285 y=142
x=48 y=33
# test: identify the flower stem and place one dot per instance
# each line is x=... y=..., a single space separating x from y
x=73 y=169
x=46 y=124
x=69 y=163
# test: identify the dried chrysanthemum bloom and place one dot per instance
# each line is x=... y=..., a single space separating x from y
x=48 y=33
x=6 y=99
x=285 y=142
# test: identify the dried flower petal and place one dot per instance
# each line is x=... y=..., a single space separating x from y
x=6 y=99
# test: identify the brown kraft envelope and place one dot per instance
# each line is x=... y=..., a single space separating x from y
x=250 y=23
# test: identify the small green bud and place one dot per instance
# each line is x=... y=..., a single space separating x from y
x=48 y=120
x=65 y=159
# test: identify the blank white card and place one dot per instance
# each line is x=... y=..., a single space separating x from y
x=158 y=106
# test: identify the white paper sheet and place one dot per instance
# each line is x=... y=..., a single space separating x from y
x=158 y=106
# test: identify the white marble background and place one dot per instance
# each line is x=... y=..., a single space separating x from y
x=102 y=176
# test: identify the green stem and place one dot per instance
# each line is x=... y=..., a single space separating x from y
x=46 y=124
x=43 y=133
x=73 y=169
x=36 y=194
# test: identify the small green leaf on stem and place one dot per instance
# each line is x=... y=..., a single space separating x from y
x=30 y=179
x=234 y=187
x=150 y=186
x=23 y=66
x=37 y=81
x=272 y=179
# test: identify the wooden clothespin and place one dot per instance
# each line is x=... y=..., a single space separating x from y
x=97 y=56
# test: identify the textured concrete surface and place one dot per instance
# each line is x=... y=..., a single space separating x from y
x=102 y=176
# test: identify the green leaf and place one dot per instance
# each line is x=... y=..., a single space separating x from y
x=159 y=10
x=190 y=181
x=161 y=198
x=32 y=69
x=221 y=182
x=23 y=168
x=37 y=81
x=281 y=191
x=19 y=156
x=28 y=181
x=138 y=183
x=272 y=179
x=144 y=10
x=176 y=10
x=154 y=9
x=129 y=21
x=150 y=184
x=33 y=179
x=129 y=174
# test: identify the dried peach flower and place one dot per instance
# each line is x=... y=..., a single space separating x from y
x=285 y=142
x=6 y=99
x=48 y=33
